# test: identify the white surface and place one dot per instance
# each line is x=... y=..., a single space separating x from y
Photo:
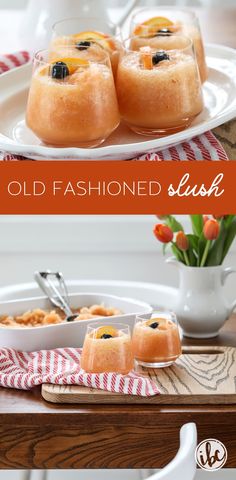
x=15 y=137
x=64 y=334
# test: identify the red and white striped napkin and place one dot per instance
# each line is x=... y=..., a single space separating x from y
x=17 y=59
x=23 y=371
x=202 y=147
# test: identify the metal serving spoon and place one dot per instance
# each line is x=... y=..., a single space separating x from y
x=54 y=287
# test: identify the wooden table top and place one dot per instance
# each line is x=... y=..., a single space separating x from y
x=36 y=434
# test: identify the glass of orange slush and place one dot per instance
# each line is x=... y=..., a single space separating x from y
x=84 y=33
x=156 y=342
x=159 y=90
x=107 y=348
x=72 y=100
x=150 y=23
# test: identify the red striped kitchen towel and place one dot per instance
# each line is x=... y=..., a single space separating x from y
x=7 y=62
x=23 y=371
x=202 y=147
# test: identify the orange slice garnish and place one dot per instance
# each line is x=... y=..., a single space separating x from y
x=146 y=58
x=107 y=330
x=158 y=22
x=72 y=63
x=97 y=37
x=152 y=25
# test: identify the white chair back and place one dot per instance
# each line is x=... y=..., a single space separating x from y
x=183 y=466
x=38 y=475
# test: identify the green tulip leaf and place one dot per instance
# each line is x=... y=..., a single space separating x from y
x=192 y=258
x=197 y=224
x=178 y=254
x=228 y=220
x=201 y=248
x=193 y=241
x=216 y=251
x=173 y=224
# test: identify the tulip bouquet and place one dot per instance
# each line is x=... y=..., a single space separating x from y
x=206 y=246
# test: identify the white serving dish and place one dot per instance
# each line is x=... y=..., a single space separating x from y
x=160 y=296
x=16 y=138
x=64 y=334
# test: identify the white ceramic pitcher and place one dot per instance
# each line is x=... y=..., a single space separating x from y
x=36 y=29
x=201 y=305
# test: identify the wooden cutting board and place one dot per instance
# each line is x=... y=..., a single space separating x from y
x=202 y=375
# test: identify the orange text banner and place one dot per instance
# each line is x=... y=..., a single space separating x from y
x=117 y=187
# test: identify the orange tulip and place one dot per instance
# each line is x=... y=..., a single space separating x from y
x=211 y=229
x=163 y=233
x=182 y=241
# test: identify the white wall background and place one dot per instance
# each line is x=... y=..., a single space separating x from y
x=88 y=247
x=12 y=13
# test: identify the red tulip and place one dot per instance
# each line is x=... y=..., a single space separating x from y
x=211 y=229
x=163 y=233
x=205 y=218
x=182 y=241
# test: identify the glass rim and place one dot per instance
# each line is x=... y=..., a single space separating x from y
x=155 y=313
x=182 y=49
x=97 y=324
x=105 y=59
x=173 y=8
x=64 y=20
x=117 y=39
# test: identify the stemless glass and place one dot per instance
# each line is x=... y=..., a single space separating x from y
x=159 y=91
x=168 y=21
x=72 y=102
x=156 y=342
x=79 y=33
x=107 y=348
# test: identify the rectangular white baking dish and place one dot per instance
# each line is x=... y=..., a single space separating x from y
x=64 y=334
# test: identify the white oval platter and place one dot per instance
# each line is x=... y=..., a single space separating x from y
x=16 y=138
